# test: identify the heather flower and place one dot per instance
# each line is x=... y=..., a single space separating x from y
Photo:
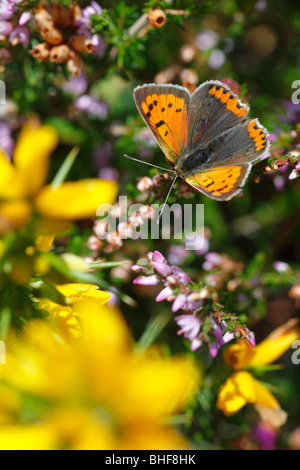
x=190 y=328
x=281 y=267
x=92 y=106
x=25 y=17
x=76 y=86
x=20 y=35
x=5 y=28
x=189 y=297
x=6 y=141
x=6 y=10
x=152 y=280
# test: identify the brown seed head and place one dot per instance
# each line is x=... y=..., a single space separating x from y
x=157 y=18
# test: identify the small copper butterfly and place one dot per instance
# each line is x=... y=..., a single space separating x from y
x=205 y=135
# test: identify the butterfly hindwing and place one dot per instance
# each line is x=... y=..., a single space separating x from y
x=164 y=109
x=244 y=143
x=221 y=183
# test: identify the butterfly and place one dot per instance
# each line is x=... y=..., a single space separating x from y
x=206 y=135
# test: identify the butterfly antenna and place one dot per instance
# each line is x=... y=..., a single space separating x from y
x=150 y=164
x=164 y=205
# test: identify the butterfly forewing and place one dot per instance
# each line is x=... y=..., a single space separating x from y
x=214 y=108
x=164 y=108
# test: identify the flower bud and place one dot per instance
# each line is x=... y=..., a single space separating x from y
x=82 y=44
x=75 y=13
x=185 y=190
x=189 y=79
x=144 y=184
x=5 y=55
x=52 y=35
x=75 y=65
x=41 y=52
x=60 y=54
x=157 y=18
x=61 y=16
x=188 y=53
x=93 y=243
x=42 y=17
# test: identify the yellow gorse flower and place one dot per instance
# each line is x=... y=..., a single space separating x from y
x=82 y=297
x=21 y=184
x=241 y=387
x=98 y=391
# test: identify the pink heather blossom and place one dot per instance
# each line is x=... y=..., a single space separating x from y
x=6 y=10
x=179 y=303
x=5 y=28
x=166 y=293
x=6 y=141
x=76 y=85
x=279 y=182
x=25 y=17
x=190 y=328
x=162 y=268
x=152 y=280
x=20 y=35
x=92 y=106
x=281 y=267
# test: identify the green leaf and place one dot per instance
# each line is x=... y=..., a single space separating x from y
x=65 y=168
x=43 y=290
x=153 y=329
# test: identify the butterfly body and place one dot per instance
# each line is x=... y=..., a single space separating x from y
x=205 y=135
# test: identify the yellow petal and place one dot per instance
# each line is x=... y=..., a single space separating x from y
x=30 y=437
x=241 y=388
x=154 y=387
x=238 y=355
x=8 y=176
x=276 y=344
x=31 y=156
x=14 y=214
x=76 y=200
x=264 y=397
x=85 y=299
x=238 y=390
x=46 y=231
x=44 y=242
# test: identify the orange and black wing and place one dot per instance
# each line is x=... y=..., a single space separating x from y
x=164 y=109
x=222 y=183
x=214 y=109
